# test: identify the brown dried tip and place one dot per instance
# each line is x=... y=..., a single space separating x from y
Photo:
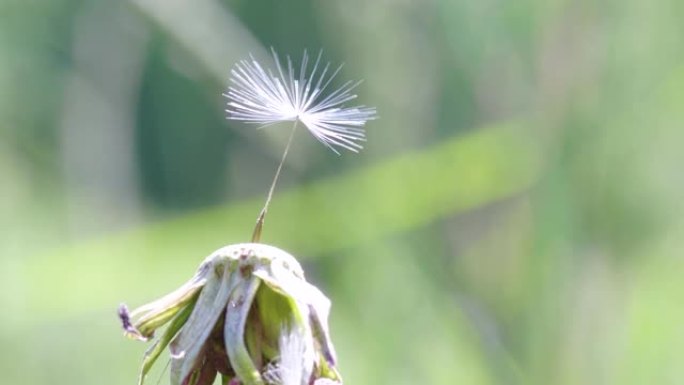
x=129 y=329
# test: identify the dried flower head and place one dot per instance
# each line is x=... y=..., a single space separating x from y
x=258 y=96
x=248 y=314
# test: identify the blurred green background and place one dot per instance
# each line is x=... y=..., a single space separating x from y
x=515 y=218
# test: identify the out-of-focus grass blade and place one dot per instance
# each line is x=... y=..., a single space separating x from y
x=385 y=198
x=206 y=41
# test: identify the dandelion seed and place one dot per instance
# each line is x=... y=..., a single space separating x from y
x=258 y=96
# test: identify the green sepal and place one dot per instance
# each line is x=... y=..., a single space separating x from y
x=156 y=313
x=155 y=350
x=324 y=370
x=154 y=320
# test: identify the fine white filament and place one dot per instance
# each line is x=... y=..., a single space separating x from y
x=257 y=96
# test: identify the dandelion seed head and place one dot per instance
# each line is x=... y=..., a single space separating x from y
x=264 y=97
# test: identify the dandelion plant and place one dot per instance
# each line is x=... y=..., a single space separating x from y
x=248 y=314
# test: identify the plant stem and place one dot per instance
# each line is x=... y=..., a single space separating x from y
x=256 y=234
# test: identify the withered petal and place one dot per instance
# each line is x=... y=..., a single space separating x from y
x=281 y=279
x=239 y=304
x=188 y=344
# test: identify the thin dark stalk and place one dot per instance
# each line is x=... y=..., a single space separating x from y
x=256 y=234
